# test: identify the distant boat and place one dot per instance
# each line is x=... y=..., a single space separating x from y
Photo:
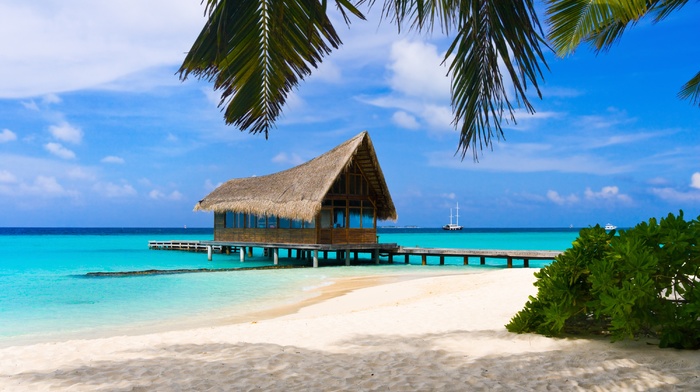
x=453 y=226
x=610 y=226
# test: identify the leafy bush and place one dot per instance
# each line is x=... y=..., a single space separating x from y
x=643 y=282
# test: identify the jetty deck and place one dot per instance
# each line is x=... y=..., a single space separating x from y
x=344 y=251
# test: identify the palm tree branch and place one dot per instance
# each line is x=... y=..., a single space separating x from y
x=489 y=31
x=256 y=51
x=691 y=90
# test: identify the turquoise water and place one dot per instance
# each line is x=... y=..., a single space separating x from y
x=45 y=295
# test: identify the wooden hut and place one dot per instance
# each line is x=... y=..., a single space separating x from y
x=335 y=198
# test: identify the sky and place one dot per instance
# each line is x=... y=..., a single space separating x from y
x=97 y=130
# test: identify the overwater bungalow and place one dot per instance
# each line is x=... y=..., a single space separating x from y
x=334 y=200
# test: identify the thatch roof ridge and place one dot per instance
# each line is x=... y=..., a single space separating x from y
x=297 y=193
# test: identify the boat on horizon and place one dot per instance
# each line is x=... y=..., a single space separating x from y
x=453 y=226
x=610 y=226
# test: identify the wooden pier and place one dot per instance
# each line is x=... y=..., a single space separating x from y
x=186 y=245
x=344 y=251
x=481 y=254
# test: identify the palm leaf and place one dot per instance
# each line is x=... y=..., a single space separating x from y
x=488 y=32
x=256 y=51
x=691 y=90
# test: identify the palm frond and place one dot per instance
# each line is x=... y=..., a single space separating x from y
x=256 y=51
x=691 y=90
x=488 y=32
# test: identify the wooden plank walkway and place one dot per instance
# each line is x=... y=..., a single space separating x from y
x=187 y=245
x=482 y=254
x=311 y=251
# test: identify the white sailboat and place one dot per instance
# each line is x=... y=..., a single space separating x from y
x=453 y=226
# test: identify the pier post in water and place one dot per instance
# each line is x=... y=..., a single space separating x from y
x=347 y=257
x=315 y=258
x=276 y=255
x=242 y=253
x=209 y=252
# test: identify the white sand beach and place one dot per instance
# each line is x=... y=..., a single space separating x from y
x=441 y=333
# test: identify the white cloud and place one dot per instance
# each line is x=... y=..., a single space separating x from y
x=90 y=43
x=66 y=133
x=43 y=186
x=405 y=120
x=7 y=177
x=58 y=150
x=695 y=180
x=607 y=193
x=112 y=190
x=555 y=197
x=158 y=195
x=527 y=158
x=7 y=136
x=416 y=71
x=674 y=195
x=292 y=159
x=112 y=159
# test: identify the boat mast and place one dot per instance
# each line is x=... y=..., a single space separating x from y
x=457 y=214
x=450 y=216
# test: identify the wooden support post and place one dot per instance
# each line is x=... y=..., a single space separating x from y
x=241 y=250
x=423 y=260
x=510 y=262
x=250 y=251
x=466 y=260
x=375 y=256
x=209 y=252
x=276 y=256
x=391 y=258
x=406 y=258
x=228 y=250
x=347 y=257
x=526 y=263
x=482 y=259
x=325 y=255
x=442 y=259
x=289 y=253
x=315 y=258
x=355 y=256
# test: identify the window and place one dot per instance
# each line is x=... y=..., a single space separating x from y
x=228 y=220
x=339 y=217
x=326 y=222
x=271 y=222
x=354 y=218
x=285 y=223
x=367 y=215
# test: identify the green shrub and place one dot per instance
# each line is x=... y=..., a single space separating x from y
x=643 y=282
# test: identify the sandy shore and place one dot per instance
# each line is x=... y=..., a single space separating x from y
x=436 y=333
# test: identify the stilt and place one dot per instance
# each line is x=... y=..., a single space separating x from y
x=423 y=260
x=482 y=259
x=375 y=256
x=347 y=257
x=466 y=260
x=442 y=260
x=315 y=258
x=391 y=258
x=242 y=252
x=276 y=256
x=228 y=250
x=250 y=251
x=406 y=258
x=510 y=262
x=526 y=263
x=209 y=249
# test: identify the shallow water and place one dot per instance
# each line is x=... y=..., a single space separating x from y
x=44 y=294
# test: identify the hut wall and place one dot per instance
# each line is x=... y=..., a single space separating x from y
x=347 y=236
x=279 y=236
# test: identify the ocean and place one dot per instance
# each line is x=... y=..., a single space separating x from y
x=45 y=294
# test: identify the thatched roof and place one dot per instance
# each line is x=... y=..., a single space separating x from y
x=297 y=193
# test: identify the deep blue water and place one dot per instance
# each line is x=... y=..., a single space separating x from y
x=44 y=294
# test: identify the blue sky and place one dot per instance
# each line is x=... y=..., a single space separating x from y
x=97 y=130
